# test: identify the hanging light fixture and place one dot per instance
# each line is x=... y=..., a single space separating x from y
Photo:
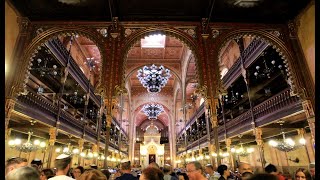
x=75 y=98
x=153 y=78
x=152 y=110
x=42 y=66
x=286 y=144
x=242 y=151
x=266 y=70
x=68 y=150
x=87 y=154
x=27 y=146
x=234 y=97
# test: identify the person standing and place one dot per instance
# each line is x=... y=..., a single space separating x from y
x=271 y=169
x=125 y=170
x=15 y=162
x=77 y=172
x=210 y=172
x=194 y=171
x=62 y=163
x=312 y=169
x=223 y=171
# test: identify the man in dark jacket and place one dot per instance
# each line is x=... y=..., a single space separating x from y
x=125 y=170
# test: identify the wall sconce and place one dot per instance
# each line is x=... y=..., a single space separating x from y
x=296 y=160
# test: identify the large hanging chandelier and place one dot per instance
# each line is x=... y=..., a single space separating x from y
x=286 y=144
x=242 y=151
x=152 y=110
x=153 y=78
x=27 y=146
x=68 y=150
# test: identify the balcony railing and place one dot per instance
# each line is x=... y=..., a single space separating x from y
x=249 y=55
x=277 y=106
x=62 y=55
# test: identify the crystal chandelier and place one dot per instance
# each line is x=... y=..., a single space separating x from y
x=87 y=154
x=68 y=150
x=286 y=144
x=152 y=110
x=153 y=78
x=242 y=151
x=27 y=146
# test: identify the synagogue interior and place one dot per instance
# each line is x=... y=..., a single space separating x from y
x=213 y=81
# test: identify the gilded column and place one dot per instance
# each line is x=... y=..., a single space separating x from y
x=213 y=104
x=8 y=111
x=258 y=135
x=53 y=133
x=302 y=81
x=212 y=149
x=108 y=107
x=308 y=109
x=301 y=133
x=80 y=143
x=95 y=151
x=15 y=78
x=228 y=145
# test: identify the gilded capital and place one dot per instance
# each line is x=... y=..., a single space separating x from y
x=228 y=142
x=307 y=107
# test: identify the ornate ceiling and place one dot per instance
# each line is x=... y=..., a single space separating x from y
x=172 y=56
x=256 y=11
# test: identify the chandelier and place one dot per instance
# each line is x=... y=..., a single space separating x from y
x=27 y=146
x=43 y=68
x=266 y=71
x=152 y=110
x=242 y=151
x=68 y=150
x=234 y=97
x=286 y=144
x=75 y=98
x=87 y=154
x=153 y=78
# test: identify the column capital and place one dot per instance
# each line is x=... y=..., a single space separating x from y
x=228 y=142
x=307 y=107
x=53 y=134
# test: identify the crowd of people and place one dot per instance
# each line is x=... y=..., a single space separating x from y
x=18 y=169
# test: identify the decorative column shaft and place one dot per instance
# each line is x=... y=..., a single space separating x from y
x=80 y=143
x=258 y=134
x=8 y=111
x=213 y=103
x=228 y=145
x=308 y=109
x=53 y=133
